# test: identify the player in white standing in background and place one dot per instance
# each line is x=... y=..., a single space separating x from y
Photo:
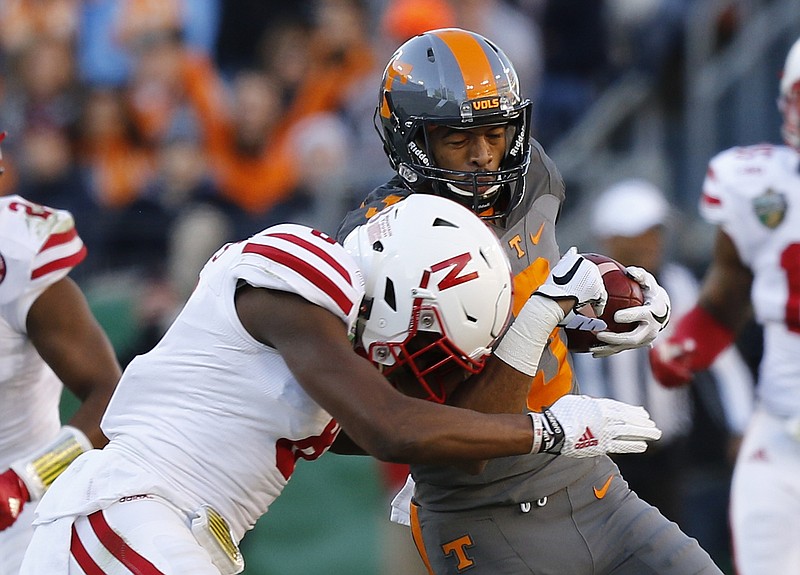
x=632 y=222
x=48 y=339
x=753 y=194
x=259 y=370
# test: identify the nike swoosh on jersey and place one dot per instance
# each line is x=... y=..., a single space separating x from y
x=600 y=493
x=538 y=235
x=567 y=277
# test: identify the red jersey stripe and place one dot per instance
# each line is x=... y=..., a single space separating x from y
x=59 y=239
x=119 y=549
x=67 y=262
x=304 y=269
x=322 y=254
x=82 y=556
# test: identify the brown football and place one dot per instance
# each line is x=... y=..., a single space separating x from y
x=623 y=291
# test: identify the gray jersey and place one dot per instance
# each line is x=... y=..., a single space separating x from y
x=538 y=514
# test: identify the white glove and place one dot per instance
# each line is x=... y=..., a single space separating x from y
x=575 y=277
x=653 y=316
x=572 y=277
x=582 y=426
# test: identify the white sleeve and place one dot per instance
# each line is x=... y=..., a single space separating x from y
x=38 y=247
x=291 y=257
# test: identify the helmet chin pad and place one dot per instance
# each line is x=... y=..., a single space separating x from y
x=429 y=356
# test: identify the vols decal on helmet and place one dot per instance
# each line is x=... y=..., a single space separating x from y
x=484 y=104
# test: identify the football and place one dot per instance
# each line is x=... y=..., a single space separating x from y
x=623 y=291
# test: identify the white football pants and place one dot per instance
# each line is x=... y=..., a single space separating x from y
x=139 y=537
x=765 y=499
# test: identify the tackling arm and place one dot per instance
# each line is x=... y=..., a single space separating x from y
x=387 y=424
x=723 y=308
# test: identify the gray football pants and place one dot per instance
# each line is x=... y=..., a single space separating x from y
x=572 y=532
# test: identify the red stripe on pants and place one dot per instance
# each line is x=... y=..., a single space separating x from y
x=82 y=557
x=123 y=552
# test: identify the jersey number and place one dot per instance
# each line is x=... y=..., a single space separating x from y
x=31 y=209
x=288 y=451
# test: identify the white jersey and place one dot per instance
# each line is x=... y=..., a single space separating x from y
x=38 y=247
x=215 y=416
x=753 y=193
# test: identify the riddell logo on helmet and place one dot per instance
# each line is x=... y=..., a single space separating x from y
x=414 y=149
x=486 y=104
x=586 y=440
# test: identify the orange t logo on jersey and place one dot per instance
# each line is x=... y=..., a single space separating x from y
x=457 y=548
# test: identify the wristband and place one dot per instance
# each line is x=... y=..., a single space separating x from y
x=538 y=431
x=699 y=325
x=554 y=432
x=523 y=343
x=40 y=469
x=548 y=434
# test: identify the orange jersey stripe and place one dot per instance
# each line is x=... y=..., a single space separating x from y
x=543 y=391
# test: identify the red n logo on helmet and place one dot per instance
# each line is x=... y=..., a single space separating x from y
x=452 y=279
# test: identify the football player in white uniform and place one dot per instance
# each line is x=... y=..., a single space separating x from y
x=753 y=194
x=259 y=370
x=48 y=339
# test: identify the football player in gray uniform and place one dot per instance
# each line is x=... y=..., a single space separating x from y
x=453 y=123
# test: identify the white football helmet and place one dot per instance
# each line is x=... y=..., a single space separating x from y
x=789 y=102
x=438 y=289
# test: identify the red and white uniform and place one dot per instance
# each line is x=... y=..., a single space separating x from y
x=753 y=193
x=38 y=247
x=210 y=416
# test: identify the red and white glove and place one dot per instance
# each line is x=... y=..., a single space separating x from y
x=581 y=426
x=13 y=496
x=675 y=361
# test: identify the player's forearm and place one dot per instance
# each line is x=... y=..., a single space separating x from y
x=725 y=293
x=499 y=388
x=419 y=432
x=87 y=419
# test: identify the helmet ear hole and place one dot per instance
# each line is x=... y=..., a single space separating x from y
x=389 y=295
x=366 y=308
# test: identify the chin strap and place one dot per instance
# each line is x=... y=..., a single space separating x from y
x=40 y=469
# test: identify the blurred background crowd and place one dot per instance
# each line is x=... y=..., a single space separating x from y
x=168 y=127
